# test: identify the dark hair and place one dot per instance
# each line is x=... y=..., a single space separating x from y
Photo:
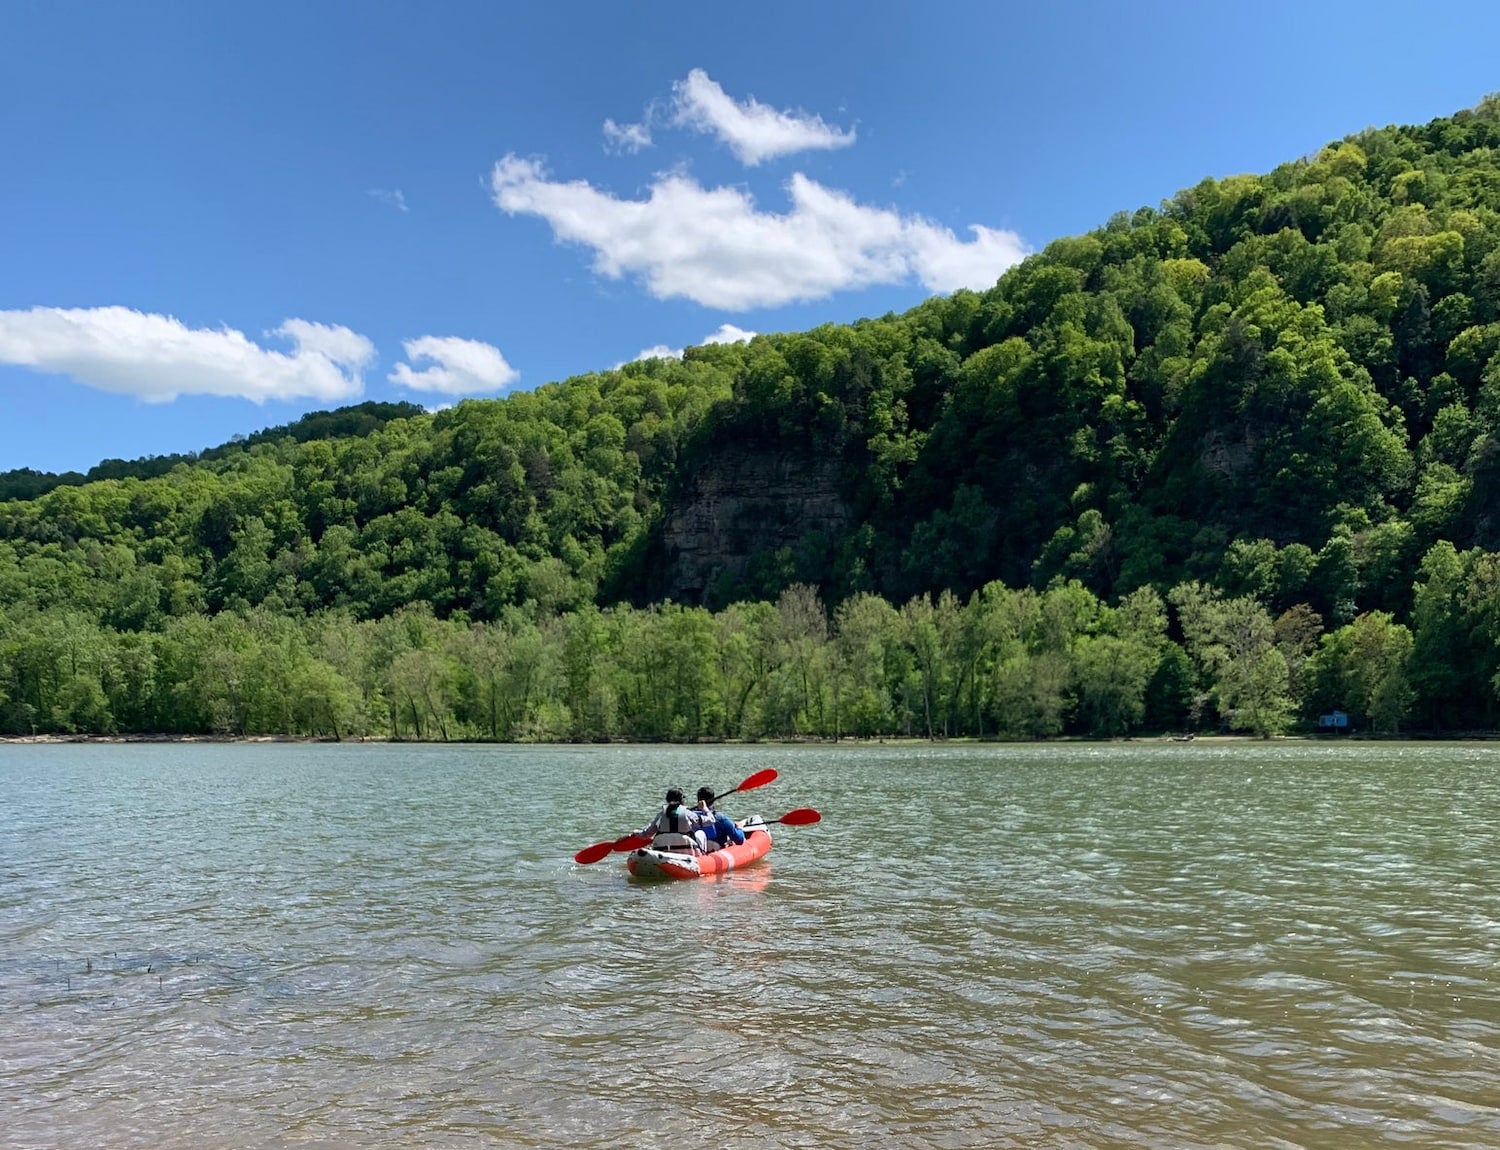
x=706 y=793
x=674 y=795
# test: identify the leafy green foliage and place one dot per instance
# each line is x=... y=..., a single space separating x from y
x=1271 y=403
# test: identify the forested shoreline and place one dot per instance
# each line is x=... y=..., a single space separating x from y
x=1228 y=463
x=1010 y=664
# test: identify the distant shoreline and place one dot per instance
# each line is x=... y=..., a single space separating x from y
x=48 y=739
x=892 y=741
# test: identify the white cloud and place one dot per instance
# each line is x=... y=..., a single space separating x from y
x=944 y=263
x=660 y=351
x=157 y=358
x=391 y=197
x=628 y=138
x=458 y=366
x=337 y=344
x=713 y=246
x=727 y=333
x=754 y=131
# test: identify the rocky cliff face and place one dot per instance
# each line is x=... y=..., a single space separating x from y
x=742 y=503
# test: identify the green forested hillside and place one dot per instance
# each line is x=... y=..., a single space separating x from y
x=1234 y=459
x=361 y=419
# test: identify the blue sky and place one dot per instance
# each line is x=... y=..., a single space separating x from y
x=214 y=218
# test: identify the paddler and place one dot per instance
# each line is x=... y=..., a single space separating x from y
x=718 y=829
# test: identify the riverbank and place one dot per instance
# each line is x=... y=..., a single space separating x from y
x=174 y=738
x=847 y=741
x=894 y=741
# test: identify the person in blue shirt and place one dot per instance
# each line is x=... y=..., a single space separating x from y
x=719 y=829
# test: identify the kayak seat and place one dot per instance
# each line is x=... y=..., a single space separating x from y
x=672 y=841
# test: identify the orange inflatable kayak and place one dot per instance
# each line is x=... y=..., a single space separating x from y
x=647 y=862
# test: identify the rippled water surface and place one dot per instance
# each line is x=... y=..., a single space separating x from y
x=1160 y=945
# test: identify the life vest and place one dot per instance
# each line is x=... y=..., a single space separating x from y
x=675 y=820
x=674 y=830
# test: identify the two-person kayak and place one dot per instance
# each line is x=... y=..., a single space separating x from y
x=673 y=854
x=651 y=862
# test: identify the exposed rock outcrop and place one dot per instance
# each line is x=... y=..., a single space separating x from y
x=742 y=503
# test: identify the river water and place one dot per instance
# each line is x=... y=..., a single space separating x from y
x=1135 y=945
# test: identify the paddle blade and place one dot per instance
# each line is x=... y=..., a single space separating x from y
x=631 y=842
x=759 y=779
x=593 y=854
x=801 y=817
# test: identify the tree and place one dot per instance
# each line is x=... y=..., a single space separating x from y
x=418 y=682
x=498 y=672
x=324 y=702
x=1361 y=668
x=1116 y=665
x=797 y=692
x=866 y=627
x=1233 y=641
x=919 y=631
x=1173 y=700
x=1113 y=674
x=245 y=574
x=1440 y=641
x=1031 y=675
x=690 y=642
x=746 y=654
x=589 y=699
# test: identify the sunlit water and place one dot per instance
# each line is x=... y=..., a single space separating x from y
x=1161 y=945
